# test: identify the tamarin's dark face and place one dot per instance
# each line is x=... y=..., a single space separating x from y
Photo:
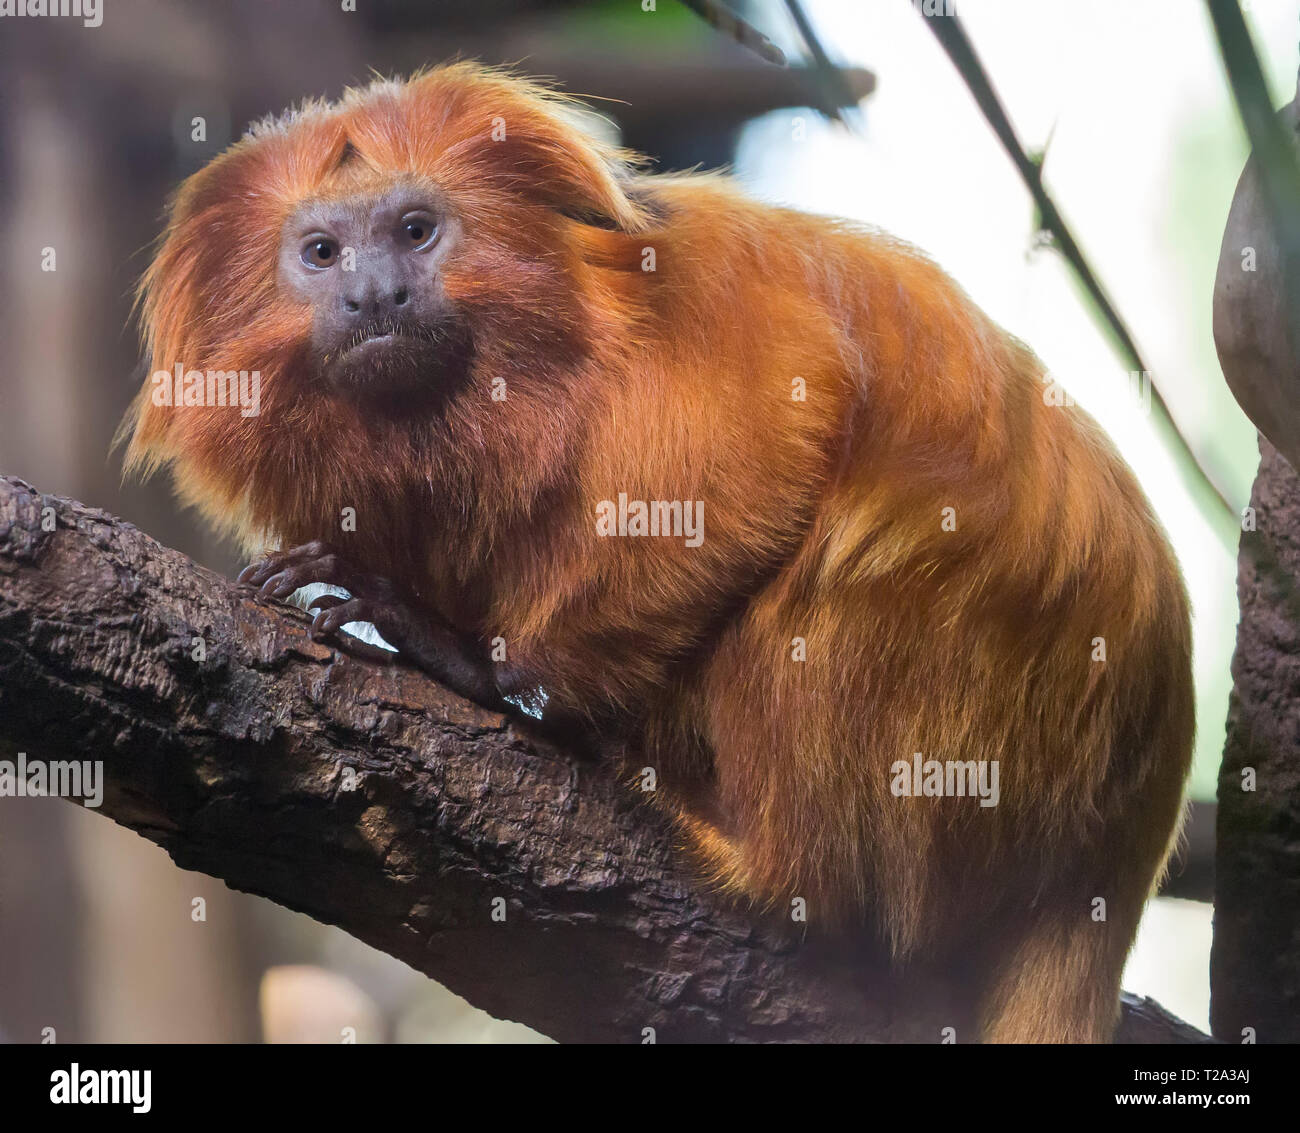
x=368 y=265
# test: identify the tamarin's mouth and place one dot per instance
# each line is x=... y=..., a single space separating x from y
x=399 y=363
x=371 y=344
x=386 y=330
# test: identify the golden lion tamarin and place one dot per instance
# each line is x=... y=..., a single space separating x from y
x=763 y=491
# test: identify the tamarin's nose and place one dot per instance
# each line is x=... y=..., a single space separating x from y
x=369 y=300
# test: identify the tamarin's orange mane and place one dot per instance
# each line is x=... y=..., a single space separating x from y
x=908 y=546
x=523 y=179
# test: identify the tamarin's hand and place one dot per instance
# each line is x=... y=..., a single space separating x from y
x=763 y=493
x=419 y=635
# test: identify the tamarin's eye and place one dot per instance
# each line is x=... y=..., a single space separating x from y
x=419 y=232
x=320 y=252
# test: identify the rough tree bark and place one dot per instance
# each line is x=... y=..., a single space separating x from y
x=1255 y=963
x=365 y=795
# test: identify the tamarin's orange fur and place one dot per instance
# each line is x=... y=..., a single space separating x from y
x=823 y=520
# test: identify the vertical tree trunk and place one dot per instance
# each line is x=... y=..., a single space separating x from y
x=1255 y=963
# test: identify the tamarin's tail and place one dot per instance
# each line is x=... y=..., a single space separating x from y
x=1055 y=977
x=1058 y=984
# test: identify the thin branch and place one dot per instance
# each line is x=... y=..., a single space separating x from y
x=954 y=41
x=717 y=15
x=835 y=90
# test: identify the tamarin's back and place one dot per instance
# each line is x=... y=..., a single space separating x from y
x=973 y=572
x=881 y=545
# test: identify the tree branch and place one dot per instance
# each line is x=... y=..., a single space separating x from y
x=363 y=794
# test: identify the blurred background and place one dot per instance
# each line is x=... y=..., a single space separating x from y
x=1143 y=148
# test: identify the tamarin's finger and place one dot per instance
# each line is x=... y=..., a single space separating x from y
x=304 y=553
x=282 y=585
x=256 y=573
x=332 y=620
x=326 y=601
